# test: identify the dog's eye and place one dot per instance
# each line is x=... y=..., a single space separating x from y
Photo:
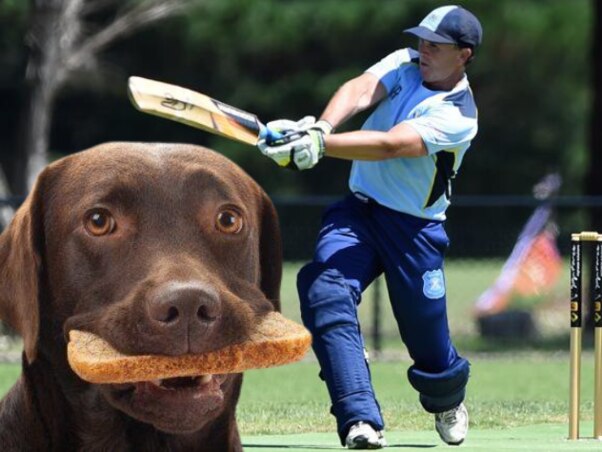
x=229 y=221
x=99 y=222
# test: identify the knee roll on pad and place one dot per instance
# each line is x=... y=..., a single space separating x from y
x=326 y=298
x=441 y=391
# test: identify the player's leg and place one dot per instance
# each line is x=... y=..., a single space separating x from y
x=413 y=252
x=439 y=374
x=330 y=289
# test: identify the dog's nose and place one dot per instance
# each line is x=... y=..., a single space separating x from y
x=181 y=306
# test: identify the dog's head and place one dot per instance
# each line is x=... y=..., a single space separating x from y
x=158 y=249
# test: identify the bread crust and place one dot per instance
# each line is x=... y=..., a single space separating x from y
x=276 y=341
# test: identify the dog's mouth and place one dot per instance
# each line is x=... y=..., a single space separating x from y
x=183 y=383
x=195 y=386
x=173 y=405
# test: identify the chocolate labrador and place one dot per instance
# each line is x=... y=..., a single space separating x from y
x=159 y=249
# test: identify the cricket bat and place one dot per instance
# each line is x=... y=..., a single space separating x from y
x=197 y=110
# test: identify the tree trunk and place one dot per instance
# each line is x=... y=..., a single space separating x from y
x=59 y=48
x=6 y=210
x=55 y=28
x=37 y=136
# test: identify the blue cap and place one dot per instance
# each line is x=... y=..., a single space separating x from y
x=450 y=25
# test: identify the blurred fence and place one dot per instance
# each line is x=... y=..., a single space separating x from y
x=478 y=226
x=482 y=230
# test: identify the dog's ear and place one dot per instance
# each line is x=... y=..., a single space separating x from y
x=20 y=266
x=270 y=249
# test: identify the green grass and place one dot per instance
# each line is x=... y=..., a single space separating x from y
x=517 y=396
x=517 y=401
x=504 y=391
x=8 y=375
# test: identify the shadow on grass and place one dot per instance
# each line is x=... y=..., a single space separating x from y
x=314 y=447
x=289 y=446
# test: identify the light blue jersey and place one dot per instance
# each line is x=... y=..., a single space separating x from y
x=446 y=121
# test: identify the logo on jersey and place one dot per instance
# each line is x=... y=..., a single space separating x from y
x=433 y=284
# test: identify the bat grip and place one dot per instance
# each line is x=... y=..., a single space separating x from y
x=269 y=135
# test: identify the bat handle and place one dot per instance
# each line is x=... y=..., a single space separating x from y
x=269 y=135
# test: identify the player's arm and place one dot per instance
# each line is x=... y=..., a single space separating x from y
x=352 y=97
x=303 y=150
x=401 y=141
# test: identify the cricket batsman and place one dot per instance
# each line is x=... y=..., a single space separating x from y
x=392 y=222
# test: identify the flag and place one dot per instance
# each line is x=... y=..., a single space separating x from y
x=541 y=267
x=529 y=272
x=533 y=267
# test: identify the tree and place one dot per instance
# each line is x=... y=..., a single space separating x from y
x=60 y=47
x=285 y=58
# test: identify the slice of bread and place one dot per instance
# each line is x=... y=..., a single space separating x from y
x=275 y=341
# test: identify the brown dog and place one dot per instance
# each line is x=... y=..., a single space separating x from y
x=157 y=248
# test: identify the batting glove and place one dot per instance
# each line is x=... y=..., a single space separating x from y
x=285 y=126
x=297 y=150
x=322 y=125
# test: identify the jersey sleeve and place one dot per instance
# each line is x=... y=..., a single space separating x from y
x=444 y=126
x=387 y=69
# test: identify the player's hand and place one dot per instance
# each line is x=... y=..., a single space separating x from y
x=285 y=126
x=297 y=150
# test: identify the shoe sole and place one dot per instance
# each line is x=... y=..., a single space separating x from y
x=364 y=444
x=365 y=447
x=450 y=443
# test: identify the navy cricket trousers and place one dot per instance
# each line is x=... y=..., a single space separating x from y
x=358 y=241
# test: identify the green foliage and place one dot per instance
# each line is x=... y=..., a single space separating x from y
x=12 y=27
x=531 y=84
x=285 y=58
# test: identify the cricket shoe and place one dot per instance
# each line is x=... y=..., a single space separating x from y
x=452 y=425
x=363 y=436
